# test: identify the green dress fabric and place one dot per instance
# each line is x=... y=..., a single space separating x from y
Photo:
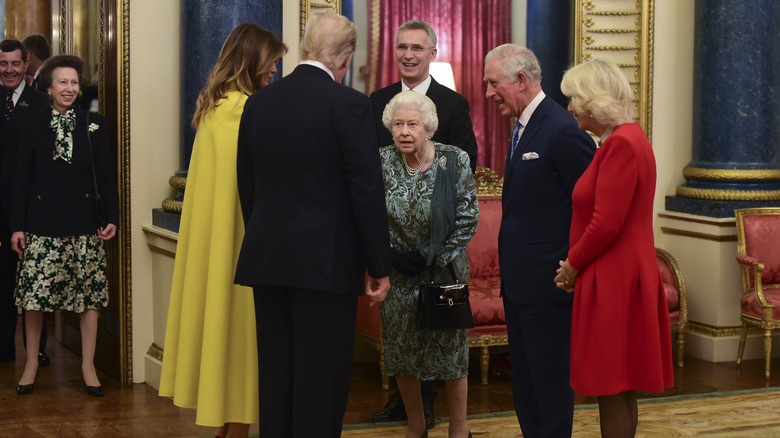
x=424 y=355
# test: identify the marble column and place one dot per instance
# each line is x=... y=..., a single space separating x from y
x=736 y=112
x=205 y=26
x=549 y=36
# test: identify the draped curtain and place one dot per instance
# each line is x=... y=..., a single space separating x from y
x=466 y=30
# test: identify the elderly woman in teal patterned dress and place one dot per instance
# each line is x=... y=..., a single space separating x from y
x=410 y=168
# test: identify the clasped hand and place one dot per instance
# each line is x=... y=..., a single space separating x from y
x=566 y=276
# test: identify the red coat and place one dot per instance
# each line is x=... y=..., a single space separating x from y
x=620 y=323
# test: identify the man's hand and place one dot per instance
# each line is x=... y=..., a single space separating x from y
x=376 y=288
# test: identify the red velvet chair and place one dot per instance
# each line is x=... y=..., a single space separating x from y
x=758 y=255
x=677 y=299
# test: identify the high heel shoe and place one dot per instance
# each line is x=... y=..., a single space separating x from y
x=25 y=389
x=94 y=391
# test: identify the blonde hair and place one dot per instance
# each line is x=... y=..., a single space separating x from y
x=329 y=38
x=247 y=55
x=412 y=100
x=516 y=59
x=599 y=88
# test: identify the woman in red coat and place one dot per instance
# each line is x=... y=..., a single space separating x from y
x=620 y=337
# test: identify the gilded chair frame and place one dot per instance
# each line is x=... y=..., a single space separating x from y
x=751 y=267
x=678 y=328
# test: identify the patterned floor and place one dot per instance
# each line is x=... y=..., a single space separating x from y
x=749 y=413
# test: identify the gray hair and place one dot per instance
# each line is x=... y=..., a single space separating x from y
x=599 y=87
x=417 y=25
x=516 y=59
x=412 y=100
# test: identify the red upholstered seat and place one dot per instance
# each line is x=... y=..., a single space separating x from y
x=758 y=255
x=676 y=299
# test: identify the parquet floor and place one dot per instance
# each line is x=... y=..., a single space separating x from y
x=59 y=407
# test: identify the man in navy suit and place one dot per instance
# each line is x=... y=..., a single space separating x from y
x=19 y=102
x=313 y=201
x=415 y=48
x=547 y=154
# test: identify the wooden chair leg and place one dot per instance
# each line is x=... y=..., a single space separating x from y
x=484 y=364
x=680 y=348
x=767 y=349
x=742 y=339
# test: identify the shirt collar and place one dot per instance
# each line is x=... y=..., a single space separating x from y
x=529 y=110
x=318 y=65
x=421 y=88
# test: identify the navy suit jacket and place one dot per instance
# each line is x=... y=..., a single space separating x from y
x=310 y=185
x=536 y=201
x=452 y=109
x=30 y=102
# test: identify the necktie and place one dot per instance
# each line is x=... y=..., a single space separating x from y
x=9 y=103
x=515 y=139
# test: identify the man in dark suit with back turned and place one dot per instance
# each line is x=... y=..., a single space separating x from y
x=415 y=48
x=547 y=154
x=312 y=197
x=39 y=51
x=19 y=101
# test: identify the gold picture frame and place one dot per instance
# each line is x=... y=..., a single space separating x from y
x=309 y=7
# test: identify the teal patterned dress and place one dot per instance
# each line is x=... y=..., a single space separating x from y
x=424 y=355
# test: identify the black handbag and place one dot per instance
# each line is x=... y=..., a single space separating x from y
x=100 y=209
x=444 y=306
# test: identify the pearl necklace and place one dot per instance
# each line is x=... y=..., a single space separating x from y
x=604 y=136
x=418 y=169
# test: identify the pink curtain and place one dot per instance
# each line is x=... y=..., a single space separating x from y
x=466 y=31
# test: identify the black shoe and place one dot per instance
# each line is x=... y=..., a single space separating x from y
x=43 y=359
x=25 y=389
x=393 y=411
x=94 y=391
x=430 y=418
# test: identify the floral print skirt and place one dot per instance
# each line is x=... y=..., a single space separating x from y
x=67 y=273
x=421 y=355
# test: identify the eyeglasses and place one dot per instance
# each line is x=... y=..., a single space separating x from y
x=416 y=49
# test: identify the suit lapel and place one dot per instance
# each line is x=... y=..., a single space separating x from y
x=526 y=140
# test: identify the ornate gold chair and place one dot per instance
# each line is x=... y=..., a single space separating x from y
x=677 y=299
x=758 y=255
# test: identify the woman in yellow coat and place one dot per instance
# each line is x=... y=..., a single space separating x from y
x=210 y=359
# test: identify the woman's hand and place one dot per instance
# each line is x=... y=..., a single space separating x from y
x=18 y=242
x=566 y=276
x=107 y=232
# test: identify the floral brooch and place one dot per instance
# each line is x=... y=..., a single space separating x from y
x=93 y=127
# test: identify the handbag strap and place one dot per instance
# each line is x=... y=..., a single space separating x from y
x=92 y=159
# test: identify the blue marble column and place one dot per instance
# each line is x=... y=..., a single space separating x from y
x=205 y=24
x=736 y=109
x=549 y=36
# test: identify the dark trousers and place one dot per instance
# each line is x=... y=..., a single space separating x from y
x=305 y=342
x=539 y=351
x=8 y=312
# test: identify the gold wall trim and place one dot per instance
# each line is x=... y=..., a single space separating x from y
x=731 y=174
x=125 y=246
x=621 y=30
x=720 y=332
x=309 y=7
x=729 y=224
x=155 y=352
x=728 y=195
x=698 y=235
x=177 y=182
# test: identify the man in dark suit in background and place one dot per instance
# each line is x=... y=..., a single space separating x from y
x=19 y=101
x=547 y=154
x=39 y=51
x=415 y=48
x=312 y=197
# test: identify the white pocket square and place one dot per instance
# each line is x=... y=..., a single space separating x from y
x=530 y=156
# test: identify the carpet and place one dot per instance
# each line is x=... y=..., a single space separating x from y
x=748 y=413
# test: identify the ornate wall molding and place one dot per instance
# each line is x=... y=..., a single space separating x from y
x=621 y=30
